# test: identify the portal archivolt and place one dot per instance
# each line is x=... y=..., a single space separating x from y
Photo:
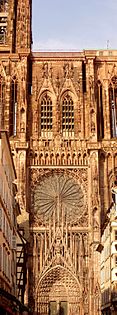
x=58 y=292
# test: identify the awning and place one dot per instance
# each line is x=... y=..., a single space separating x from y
x=9 y=310
x=6 y=309
x=13 y=302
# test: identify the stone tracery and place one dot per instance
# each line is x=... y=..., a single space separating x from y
x=58 y=241
x=59 y=191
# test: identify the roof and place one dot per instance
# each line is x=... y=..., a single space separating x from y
x=74 y=54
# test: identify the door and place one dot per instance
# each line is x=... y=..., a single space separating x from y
x=63 y=308
x=58 y=308
x=53 y=308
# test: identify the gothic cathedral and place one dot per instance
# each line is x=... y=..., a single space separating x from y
x=60 y=111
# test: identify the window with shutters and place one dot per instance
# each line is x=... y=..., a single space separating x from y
x=9 y=269
x=116 y=261
x=4 y=223
x=1 y=219
x=1 y=257
x=13 y=242
x=115 y=235
x=13 y=108
x=4 y=260
x=2 y=102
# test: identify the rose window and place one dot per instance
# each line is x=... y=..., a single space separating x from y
x=59 y=195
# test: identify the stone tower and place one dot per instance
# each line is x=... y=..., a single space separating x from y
x=15 y=47
x=60 y=110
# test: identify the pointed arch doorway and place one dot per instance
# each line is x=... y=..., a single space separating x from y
x=58 y=293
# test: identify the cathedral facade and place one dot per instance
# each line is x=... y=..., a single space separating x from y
x=60 y=111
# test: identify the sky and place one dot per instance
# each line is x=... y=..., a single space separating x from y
x=68 y=25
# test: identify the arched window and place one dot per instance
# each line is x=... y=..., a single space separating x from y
x=67 y=115
x=13 y=108
x=100 y=116
x=113 y=106
x=2 y=102
x=46 y=113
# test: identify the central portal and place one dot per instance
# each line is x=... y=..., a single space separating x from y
x=58 y=293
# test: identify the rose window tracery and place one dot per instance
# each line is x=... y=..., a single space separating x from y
x=59 y=195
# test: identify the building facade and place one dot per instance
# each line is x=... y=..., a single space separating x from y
x=9 y=211
x=60 y=111
x=109 y=264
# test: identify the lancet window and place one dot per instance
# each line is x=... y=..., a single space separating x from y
x=100 y=116
x=13 y=108
x=46 y=113
x=113 y=106
x=67 y=115
x=3 y=20
x=2 y=101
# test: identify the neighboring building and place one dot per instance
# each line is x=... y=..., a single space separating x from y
x=106 y=270
x=109 y=264
x=60 y=110
x=9 y=210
